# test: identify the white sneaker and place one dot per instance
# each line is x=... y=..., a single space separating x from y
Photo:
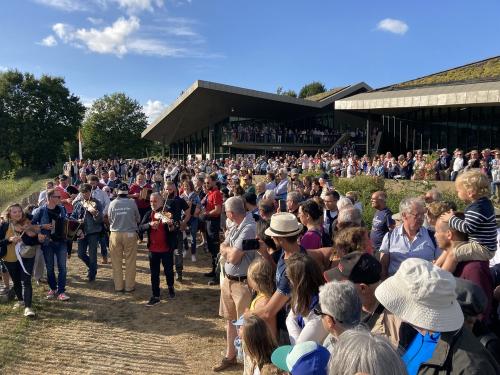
x=193 y=258
x=29 y=313
x=17 y=305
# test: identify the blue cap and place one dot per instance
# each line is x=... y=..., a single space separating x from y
x=306 y=358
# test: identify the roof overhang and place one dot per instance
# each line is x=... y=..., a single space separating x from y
x=474 y=94
x=205 y=103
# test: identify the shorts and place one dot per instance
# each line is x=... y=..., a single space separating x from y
x=235 y=297
x=472 y=250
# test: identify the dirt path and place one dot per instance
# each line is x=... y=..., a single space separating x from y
x=101 y=332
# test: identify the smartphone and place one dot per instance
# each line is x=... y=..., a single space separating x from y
x=282 y=206
x=251 y=244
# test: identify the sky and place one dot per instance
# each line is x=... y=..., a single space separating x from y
x=152 y=50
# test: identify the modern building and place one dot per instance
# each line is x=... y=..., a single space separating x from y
x=459 y=107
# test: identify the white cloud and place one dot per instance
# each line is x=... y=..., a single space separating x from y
x=118 y=39
x=135 y=6
x=49 y=41
x=393 y=26
x=63 y=31
x=66 y=5
x=3 y=68
x=152 y=109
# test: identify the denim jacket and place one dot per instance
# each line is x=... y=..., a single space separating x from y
x=41 y=216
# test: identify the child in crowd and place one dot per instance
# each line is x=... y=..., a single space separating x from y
x=260 y=278
x=479 y=224
x=305 y=279
x=258 y=344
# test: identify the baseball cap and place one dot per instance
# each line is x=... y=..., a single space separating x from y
x=306 y=358
x=357 y=267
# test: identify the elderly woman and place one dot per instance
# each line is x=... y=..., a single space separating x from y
x=360 y=352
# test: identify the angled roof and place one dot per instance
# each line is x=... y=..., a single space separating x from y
x=479 y=71
x=205 y=103
x=325 y=95
x=475 y=84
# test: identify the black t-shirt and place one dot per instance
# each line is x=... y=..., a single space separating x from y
x=176 y=206
x=57 y=232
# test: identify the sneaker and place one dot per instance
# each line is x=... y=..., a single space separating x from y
x=18 y=305
x=225 y=364
x=29 y=313
x=62 y=297
x=193 y=258
x=51 y=294
x=153 y=301
x=171 y=293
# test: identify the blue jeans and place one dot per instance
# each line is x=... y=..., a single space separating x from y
x=58 y=249
x=89 y=241
x=193 y=229
x=104 y=243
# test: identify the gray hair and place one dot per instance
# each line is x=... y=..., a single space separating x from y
x=235 y=205
x=158 y=195
x=358 y=350
x=340 y=300
x=294 y=196
x=350 y=215
x=406 y=205
x=343 y=203
x=269 y=194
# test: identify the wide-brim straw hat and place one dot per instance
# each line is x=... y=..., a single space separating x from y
x=283 y=224
x=423 y=295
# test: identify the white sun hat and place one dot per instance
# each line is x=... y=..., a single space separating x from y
x=283 y=224
x=423 y=295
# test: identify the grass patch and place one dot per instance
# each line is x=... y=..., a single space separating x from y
x=13 y=190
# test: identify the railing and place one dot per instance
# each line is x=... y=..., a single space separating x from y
x=264 y=138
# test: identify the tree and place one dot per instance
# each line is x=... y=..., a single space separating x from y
x=281 y=91
x=113 y=127
x=311 y=89
x=37 y=117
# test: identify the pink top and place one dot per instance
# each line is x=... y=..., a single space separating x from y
x=311 y=240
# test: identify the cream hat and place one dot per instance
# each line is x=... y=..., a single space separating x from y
x=283 y=224
x=423 y=295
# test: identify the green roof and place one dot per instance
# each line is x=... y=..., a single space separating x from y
x=484 y=70
x=323 y=95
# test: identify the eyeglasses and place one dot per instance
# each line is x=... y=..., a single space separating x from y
x=317 y=310
x=417 y=216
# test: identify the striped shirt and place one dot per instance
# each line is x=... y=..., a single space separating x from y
x=479 y=223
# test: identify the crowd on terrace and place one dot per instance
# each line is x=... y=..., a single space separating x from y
x=306 y=287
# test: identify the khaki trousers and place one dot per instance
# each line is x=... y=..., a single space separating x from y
x=123 y=245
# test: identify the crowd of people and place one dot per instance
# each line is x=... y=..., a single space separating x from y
x=305 y=286
x=249 y=131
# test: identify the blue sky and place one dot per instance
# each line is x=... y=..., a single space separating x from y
x=154 y=49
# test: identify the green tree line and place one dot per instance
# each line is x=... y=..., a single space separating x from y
x=40 y=118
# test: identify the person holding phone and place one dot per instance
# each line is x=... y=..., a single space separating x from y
x=235 y=293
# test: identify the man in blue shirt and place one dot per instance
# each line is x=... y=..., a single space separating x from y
x=409 y=240
x=382 y=220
